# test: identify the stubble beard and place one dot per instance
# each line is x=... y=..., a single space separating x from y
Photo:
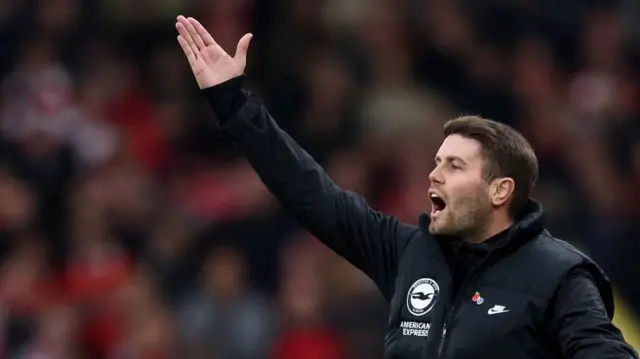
x=465 y=218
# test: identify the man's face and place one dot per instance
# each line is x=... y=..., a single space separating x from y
x=459 y=191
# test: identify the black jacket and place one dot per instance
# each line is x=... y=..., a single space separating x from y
x=521 y=294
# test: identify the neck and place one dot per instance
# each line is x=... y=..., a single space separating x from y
x=495 y=225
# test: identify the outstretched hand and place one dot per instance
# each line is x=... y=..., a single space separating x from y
x=210 y=64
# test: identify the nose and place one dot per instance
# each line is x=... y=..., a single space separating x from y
x=435 y=176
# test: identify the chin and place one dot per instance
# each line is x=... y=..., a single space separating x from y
x=435 y=230
x=440 y=229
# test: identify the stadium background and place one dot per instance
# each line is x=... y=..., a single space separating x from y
x=131 y=230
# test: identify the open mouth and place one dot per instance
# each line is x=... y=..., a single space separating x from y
x=437 y=203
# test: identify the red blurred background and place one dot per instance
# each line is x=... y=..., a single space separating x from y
x=130 y=229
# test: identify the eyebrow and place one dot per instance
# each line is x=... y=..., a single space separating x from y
x=451 y=159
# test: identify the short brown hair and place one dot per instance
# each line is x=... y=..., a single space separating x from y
x=506 y=152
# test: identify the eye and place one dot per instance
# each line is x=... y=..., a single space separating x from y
x=455 y=167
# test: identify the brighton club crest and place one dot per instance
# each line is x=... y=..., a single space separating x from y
x=422 y=296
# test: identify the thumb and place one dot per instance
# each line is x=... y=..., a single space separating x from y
x=242 y=48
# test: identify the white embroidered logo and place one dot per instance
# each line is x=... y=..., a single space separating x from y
x=422 y=296
x=497 y=309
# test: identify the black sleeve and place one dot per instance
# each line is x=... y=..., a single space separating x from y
x=341 y=219
x=581 y=323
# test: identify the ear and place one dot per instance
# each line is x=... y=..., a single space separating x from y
x=501 y=190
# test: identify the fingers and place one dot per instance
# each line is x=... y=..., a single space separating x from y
x=242 y=48
x=197 y=39
x=186 y=35
x=204 y=34
x=191 y=56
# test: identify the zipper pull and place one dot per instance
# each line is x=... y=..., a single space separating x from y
x=444 y=336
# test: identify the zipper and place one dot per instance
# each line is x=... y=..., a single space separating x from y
x=475 y=273
x=444 y=338
x=452 y=311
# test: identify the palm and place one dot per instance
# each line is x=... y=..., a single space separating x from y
x=210 y=64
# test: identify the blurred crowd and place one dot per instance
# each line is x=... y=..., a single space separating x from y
x=131 y=229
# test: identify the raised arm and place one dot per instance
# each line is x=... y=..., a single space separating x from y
x=341 y=219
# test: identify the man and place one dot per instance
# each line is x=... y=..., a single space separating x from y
x=479 y=278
